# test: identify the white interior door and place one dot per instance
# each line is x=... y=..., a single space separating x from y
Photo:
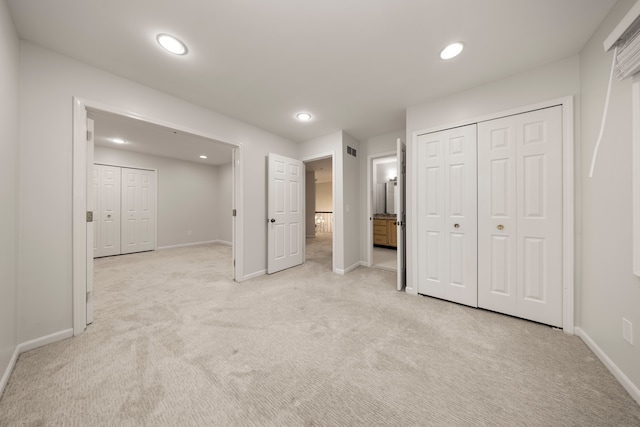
x=285 y=227
x=107 y=216
x=520 y=215
x=90 y=223
x=447 y=215
x=138 y=210
x=401 y=217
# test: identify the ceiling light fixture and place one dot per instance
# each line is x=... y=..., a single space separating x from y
x=171 y=44
x=203 y=156
x=452 y=50
x=303 y=117
x=118 y=140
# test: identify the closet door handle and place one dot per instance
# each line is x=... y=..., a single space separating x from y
x=456 y=225
x=272 y=220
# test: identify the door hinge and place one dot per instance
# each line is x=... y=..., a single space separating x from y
x=89 y=216
x=234 y=212
x=88 y=135
x=234 y=262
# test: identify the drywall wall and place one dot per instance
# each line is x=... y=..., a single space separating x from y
x=225 y=203
x=48 y=83
x=310 y=203
x=351 y=205
x=324 y=196
x=609 y=291
x=552 y=81
x=9 y=105
x=188 y=195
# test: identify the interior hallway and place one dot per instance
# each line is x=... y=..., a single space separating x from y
x=176 y=342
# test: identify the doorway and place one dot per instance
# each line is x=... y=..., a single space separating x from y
x=319 y=208
x=384 y=203
x=83 y=161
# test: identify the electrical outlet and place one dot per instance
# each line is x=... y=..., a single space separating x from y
x=627 y=331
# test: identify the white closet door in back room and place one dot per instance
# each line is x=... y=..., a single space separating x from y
x=138 y=207
x=520 y=215
x=447 y=215
x=107 y=210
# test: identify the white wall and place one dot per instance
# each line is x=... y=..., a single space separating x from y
x=48 y=83
x=188 y=195
x=351 y=206
x=310 y=203
x=552 y=81
x=324 y=196
x=225 y=203
x=609 y=291
x=9 y=105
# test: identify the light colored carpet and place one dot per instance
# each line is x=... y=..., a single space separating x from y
x=175 y=342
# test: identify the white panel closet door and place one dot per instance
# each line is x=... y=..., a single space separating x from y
x=108 y=187
x=520 y=215
x=285 y=229
x=138 y=206
x=447 y=215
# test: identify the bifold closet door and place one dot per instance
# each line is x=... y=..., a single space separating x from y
x=447 y=215
x=106 y=181
x=520 y=215
x=138 y=205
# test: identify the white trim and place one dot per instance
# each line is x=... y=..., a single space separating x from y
x=321 y=156
x=348 y=269
x=185 y=245
x=30 y=345
x=628 y=385
x=9 y=370
x=47 y=339
x=254 y=275
x=79 y=173
x=568 y=204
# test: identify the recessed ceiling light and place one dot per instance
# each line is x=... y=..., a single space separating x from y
x=303 y=117
x=171 y=44
x=203 y=157
x=117 y=140
x=452 y=50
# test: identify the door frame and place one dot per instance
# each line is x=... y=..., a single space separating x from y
x=370 y=159
x=81 y=107
x=568 y=199
x=309 y=159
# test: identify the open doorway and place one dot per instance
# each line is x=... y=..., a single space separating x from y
x=83 y=144
x=384 y=207
x=319 y=208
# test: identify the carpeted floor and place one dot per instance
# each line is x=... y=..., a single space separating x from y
x=175 y=342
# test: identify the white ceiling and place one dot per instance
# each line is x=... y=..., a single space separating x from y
x=153 y=139
x=355 y=65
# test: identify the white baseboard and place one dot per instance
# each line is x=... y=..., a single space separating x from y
x=254 y=275
x=223 y=242
x=631 y=388
x=30 y=345
x=7 y=372
x=348 y=269
x=39 y=342
x=184 y=245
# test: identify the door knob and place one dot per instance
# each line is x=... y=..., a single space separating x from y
x=273 y=220
x=456 y=225
x=500 y=227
